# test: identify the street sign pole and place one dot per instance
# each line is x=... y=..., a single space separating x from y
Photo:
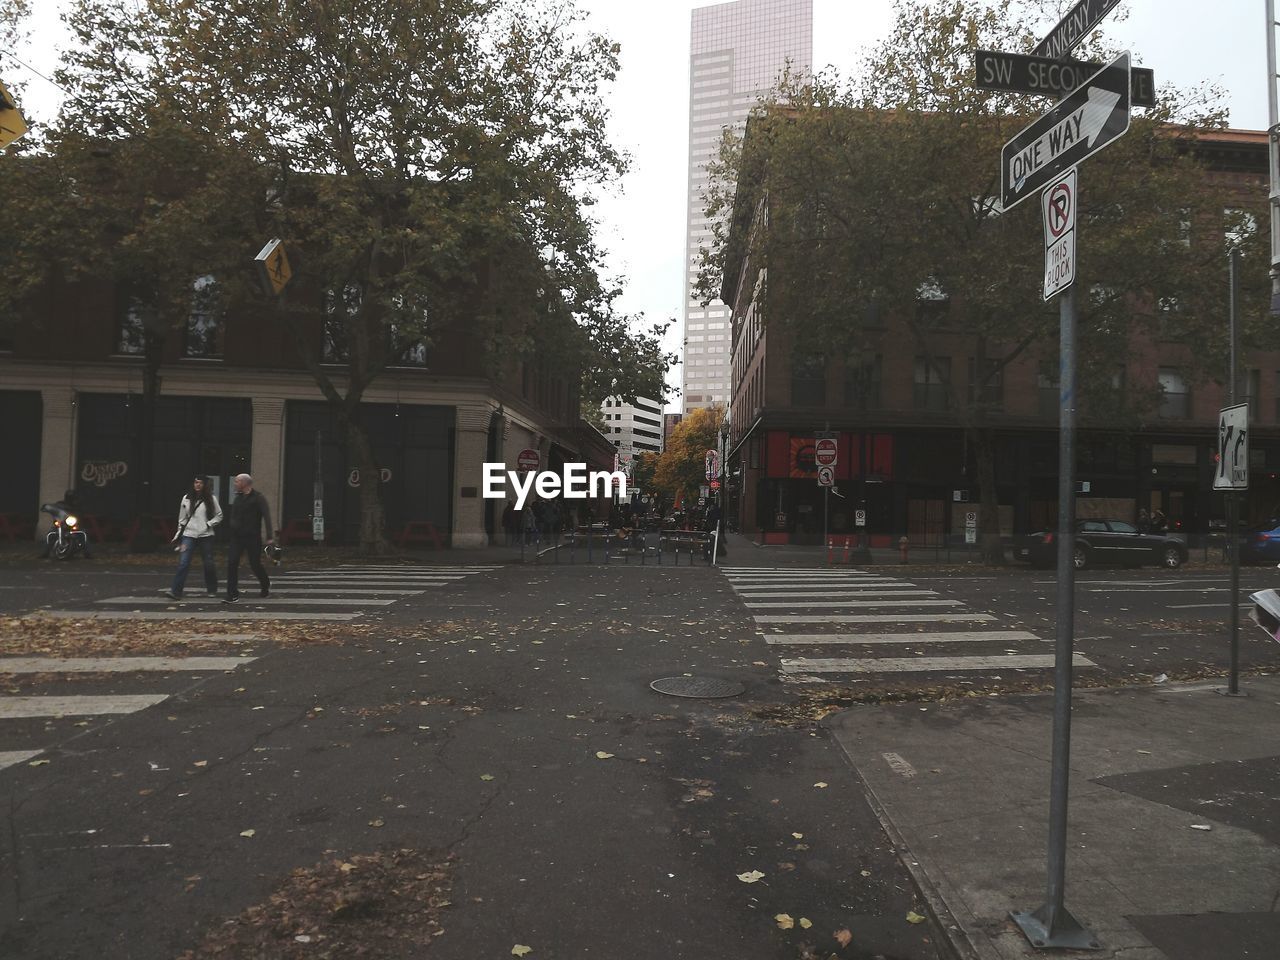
x=1233 y=502
x=1053 y=926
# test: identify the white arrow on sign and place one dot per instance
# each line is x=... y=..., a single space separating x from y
x=1233 y=448
x=1085 y=124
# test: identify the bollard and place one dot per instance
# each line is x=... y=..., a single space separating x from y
x=831 y=545
x=848 y=543
x=904 y=545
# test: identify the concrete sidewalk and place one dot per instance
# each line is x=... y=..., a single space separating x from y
x=963 y=788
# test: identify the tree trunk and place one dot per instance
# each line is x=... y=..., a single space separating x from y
x=991 y=546
x=373 y=540
x=146 y=540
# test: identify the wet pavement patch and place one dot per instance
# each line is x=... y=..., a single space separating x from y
x=702 y=688
x=1241 y=936
x=1240 y=793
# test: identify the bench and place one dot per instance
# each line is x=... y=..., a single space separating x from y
x=420 y=531
x=163 y=528
x=295 y=531
x=15 y=527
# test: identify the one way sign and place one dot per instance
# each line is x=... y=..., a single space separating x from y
x=1233 y=448
x=1079 y=126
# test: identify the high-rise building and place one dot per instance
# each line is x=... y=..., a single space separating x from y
x=738 y=52
x=633 y=427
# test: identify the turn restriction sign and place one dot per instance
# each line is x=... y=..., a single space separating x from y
x=1058 y=203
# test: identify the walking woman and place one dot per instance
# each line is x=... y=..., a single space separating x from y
x=198 y=514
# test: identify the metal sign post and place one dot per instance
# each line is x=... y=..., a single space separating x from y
x=1273 y=145
x=1085 y=121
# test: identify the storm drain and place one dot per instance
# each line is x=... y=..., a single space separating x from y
x=707 y=688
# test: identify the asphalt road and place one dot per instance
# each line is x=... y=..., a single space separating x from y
x=505 y=726
x=501 y=721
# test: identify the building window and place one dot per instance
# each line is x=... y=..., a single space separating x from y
x=808 y=381
x=862 y=383
x=931 y=380
x=131 y=332
x=986 y=385
x=1175 y=403
x=204 y=322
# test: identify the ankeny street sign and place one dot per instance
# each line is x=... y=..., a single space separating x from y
x=1016 y=73
x=1079 y=126
x=1073 y=28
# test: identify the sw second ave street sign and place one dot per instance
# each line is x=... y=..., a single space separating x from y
x=1016 y=73
x=1073 y=28
x=1074 y=129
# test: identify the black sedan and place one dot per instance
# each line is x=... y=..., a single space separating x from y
x=1107 y=541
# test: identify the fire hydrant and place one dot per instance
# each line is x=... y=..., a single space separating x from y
x=903 y=546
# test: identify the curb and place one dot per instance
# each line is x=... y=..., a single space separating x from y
x=949 y=931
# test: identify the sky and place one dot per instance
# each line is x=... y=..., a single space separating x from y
x=1186 y=42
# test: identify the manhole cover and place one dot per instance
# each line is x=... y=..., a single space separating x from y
x=705 y=687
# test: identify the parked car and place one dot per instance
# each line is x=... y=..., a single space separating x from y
x=1262 y=542
x=1106 y=541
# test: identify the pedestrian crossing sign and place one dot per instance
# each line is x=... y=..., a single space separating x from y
x=273 y=263
x=12 y=124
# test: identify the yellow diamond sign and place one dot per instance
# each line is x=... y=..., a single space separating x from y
x=12 y=126
x=274 y=266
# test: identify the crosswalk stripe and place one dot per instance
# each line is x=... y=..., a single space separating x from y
x=118 y=664
x=329 y=592
x=929 y=664
x=365 y=578
x=834 y=594
x=883 y=618
x=191 y=615
x=740 y=577
x=911 y=602
x=9 y=758
x=80 y=706
x=810 y=584
x=249 y=599
x=951 y=636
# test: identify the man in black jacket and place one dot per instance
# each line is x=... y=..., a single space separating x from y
x=249 y=515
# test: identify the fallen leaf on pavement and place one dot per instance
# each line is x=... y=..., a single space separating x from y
x=751 y=877
x=201 y=763
x=601 y=755
x=376 y=823
x=519 y=950
x=913 y=917
x=821 y=785
x=806 y=922
x=843 y=937
x=784 y=921
x=37 y=763
x=486 y=776
x=247 y=833
x=798 y=836
x=866 y=873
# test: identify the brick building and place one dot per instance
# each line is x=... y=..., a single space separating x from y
x=235 y=397
x=903 y=457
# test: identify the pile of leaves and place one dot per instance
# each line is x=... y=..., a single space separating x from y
x=382 y=905
x=811 y=706
x=50 y=637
